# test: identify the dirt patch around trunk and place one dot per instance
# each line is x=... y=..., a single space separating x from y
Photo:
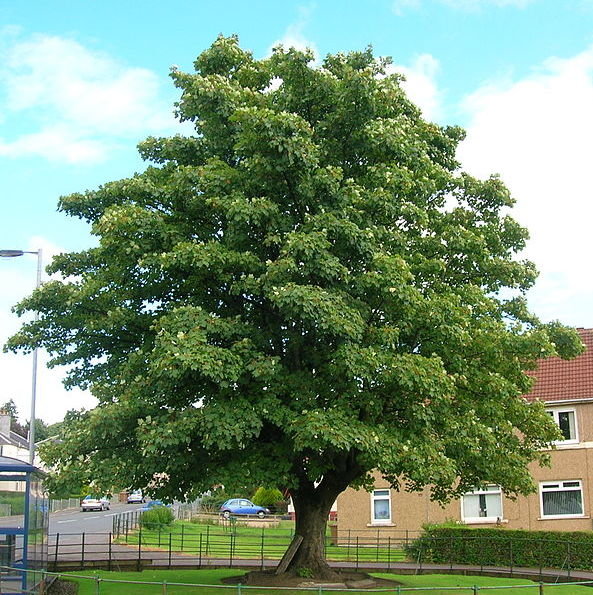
x=346 y=580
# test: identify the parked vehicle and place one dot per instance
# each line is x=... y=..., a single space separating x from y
x=94 y=503
x=242 y=506
x=136 y=497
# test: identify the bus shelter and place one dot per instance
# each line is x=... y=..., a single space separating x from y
x=24 y=523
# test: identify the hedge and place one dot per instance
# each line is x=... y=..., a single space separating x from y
x=504 y=547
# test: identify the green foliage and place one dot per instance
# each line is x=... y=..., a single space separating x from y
x=267 y=497
x=304 y=572
x=504 y=547
x=305 y=290
x=212 y=502
x=11 y=408
x=15 y=500
x=157 y=517
x=42 y=430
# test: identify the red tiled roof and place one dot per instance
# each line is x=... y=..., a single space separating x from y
x=560 y=380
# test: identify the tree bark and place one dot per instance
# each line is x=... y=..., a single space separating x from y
x=312 y=506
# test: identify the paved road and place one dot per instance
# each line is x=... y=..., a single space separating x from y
x=75 y=521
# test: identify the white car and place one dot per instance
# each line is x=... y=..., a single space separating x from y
x=135 y=497
x=94 y=503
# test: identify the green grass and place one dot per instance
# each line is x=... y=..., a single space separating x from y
x=457 y=585
x=194 y=577
x=215 y=541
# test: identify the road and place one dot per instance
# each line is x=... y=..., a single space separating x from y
x=75 y=521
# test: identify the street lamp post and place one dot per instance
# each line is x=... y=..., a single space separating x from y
x=12 y=254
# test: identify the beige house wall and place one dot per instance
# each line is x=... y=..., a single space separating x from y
x=410 y=511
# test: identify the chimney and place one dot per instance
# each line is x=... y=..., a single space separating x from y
x=5 y=419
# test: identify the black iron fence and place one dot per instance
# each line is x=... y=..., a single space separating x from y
x=204 y=545
x=227 y=545
x=124 y=522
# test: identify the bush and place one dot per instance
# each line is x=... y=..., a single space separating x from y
x=503 y=547
x=268 y=497
x=212 y=502
x=280 y=507
x=156 y=518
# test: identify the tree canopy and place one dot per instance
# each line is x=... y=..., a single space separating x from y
x=305 y=290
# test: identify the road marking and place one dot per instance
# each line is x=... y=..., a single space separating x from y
x=68 y=521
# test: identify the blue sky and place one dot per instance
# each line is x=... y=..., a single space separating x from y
x=82 y=82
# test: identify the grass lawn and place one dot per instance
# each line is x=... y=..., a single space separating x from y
x=216 y=541
x=450 y=585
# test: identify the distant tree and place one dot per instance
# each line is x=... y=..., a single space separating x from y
x=267 y=497
x=64 y=485
x=41 y=429
x=58 y=428
x=11 y=408
x=306 y=290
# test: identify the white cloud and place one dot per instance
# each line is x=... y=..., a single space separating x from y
x=420 y=84
x=56 y=143
x=537 y=133
x=399 y=7
x=80 y=102
x=294 y=37
x=52 y=402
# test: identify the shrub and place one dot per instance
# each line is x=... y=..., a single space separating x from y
x=503 y=547
x=157 y=517
x=268 y=497
x=280 y=507
x=212 y=502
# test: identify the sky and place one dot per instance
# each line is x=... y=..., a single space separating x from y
x=83 y=81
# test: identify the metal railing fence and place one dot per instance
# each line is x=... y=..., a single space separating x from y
x=201 y=546
x=230 y=546
x=101 y=584
x=63 y=504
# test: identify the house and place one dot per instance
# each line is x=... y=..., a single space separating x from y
x=564 y=499
x=12 y=444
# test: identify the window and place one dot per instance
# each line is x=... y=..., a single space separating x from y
x=566 y=421
x=380 y=507
x=483 y=505
x=561 y=498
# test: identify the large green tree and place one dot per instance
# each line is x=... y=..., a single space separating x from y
x=305 y=290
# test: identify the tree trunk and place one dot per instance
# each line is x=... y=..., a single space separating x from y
x=312 y=506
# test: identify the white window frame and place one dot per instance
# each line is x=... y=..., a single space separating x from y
x=555 y=413
x=488 y=491
x=381 y=494
x=561 y=486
